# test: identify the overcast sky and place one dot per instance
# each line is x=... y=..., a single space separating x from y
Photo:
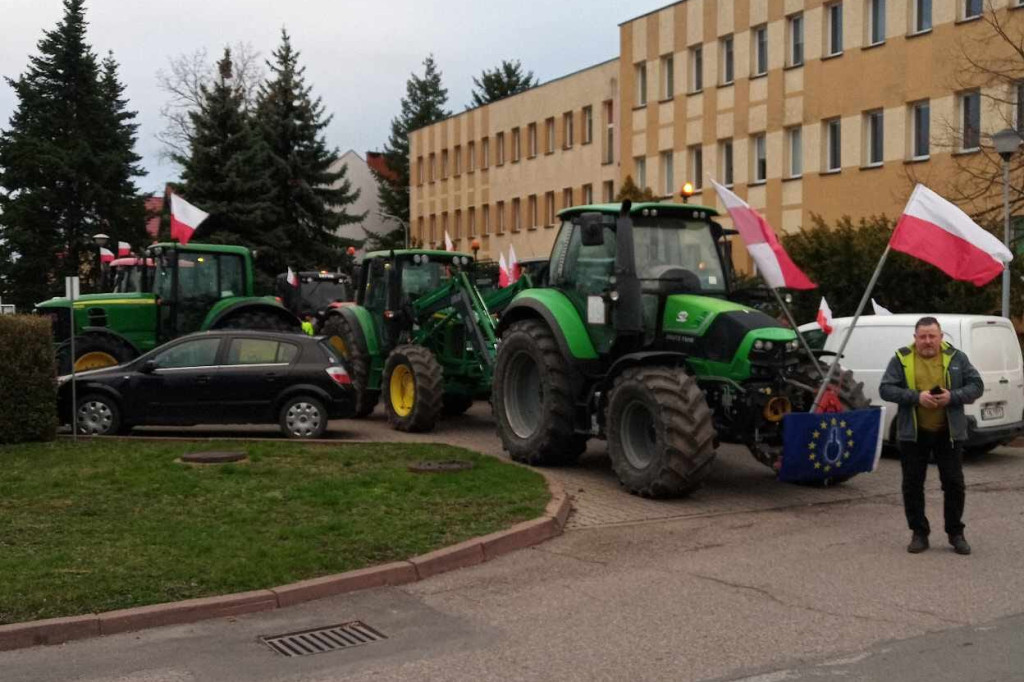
x=358 y=55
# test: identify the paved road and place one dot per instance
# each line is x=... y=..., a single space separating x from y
x=749 y=579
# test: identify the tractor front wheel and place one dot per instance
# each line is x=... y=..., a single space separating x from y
x=349 y=345
x=532 y=398
x=413 y=385
x=660 y=432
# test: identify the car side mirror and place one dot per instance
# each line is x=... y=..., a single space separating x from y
x=148 y=367
x=591 y=229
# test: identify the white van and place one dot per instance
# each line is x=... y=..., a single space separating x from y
x=990 y=343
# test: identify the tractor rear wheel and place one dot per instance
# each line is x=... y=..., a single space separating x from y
x=661 y=438
x=413 y=386
x=257 y=319
x=344 y=339
x=94 y=351
x=532 y=397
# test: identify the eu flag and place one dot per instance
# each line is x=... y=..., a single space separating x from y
x=817 y=446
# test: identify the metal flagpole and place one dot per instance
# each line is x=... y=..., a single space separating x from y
x=849 y=332
x=792 y=322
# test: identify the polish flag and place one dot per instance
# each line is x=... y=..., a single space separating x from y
x=773 y=263
x=824 y=316
x=879 y=309
x=185 y=218
x=124 y=249
x=937 y=232
x=513 y=265
x=503 y=279
x=448 y=246
x=292 y=278
x=106 y=255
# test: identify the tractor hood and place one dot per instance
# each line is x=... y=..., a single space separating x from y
x=100 y=299
x=716 y=328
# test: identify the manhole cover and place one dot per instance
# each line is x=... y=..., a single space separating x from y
x=322 y=640
x=213 y=457
x=439 y=466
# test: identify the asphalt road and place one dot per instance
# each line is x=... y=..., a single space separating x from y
x=749 y=579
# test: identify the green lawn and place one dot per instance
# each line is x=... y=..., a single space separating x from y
x=109 y=524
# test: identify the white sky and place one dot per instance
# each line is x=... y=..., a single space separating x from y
x=358 y=55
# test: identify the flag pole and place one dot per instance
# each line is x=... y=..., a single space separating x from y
x=849 y=332
x=792 y=323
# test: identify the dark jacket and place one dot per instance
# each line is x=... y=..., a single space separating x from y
x=962 y=380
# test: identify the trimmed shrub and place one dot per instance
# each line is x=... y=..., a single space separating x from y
x=28 y=395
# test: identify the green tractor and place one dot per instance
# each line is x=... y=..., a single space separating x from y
x=420 y=333
x=174 y=290
x=634 y=339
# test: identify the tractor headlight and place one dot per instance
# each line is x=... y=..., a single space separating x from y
x=758 y=345
x=793 y=345
x=768 y=345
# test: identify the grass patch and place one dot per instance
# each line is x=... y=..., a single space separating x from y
x=104 y=525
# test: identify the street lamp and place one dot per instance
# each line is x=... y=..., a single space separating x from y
x=100 y=240
x=475 y=245
x=405 y=225
x=1006 y=142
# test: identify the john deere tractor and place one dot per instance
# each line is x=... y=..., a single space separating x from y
x=420 y=333
x=634 y=339
x=176 y=290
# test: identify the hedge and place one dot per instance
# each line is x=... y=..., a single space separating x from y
x=28 y=402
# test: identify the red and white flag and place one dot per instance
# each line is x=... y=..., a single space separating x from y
x=448 y=246
x=185 y=218
x=514 y=269
x=937 y=232
x=503 y=278
x=106 y=255
x=124 y=249
x=292 y=278
x=824 y=316
x=773 y=263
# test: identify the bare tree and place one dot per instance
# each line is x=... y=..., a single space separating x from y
x=183 y=82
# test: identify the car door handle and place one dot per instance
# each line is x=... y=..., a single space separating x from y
x=1004 y=381
x=271 y=376
x=203 y=379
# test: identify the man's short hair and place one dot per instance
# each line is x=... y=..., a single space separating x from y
x=927 y=322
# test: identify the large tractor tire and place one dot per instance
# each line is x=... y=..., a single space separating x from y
x=532 y=398
x=259 y=320
x=661 y=438
x=94 y=351
x=344 y=339
x=413 y=388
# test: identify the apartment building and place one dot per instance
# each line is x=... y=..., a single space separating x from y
x=803 y=107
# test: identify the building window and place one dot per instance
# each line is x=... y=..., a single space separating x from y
x=486 y=219
x=795 y=28
x=609 y=134
x=640 y=171
x=515 y=145
x=640 y=76
x=920 y=129
x=531 y=212
x=431 y=168
x=833 y=145
x=668 y=181
x=444 y=225
x=499 y=210
x=874 y=137
x=471 y=227
x=588 y=124
x=444 y=164
x=568 y=134
x=531 y=140
x=760 y=51
x=795 y=150
x=499 y=141
x=549 y=136
x=970 y=120
x=517 y=215
x=419 y=170
x=759 y=152
x=567 y=197
x=433 y=230
x=549 y=209
x=1019 y=92
x=696 y=68
x=485 y=153
x=834 y=29
x=608 y=191
x=922 y=19
x=696 y=154
x=728 y=61
x=972 y=8
x=457 y=233
x=668 y=77
x=458 y=160
x=588 y=194
x=876 y=21
x=725 y=147
x=471 y=157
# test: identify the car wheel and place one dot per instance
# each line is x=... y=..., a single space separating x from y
x=98 y=415
x=303 y=417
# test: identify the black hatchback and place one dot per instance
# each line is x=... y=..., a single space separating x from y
x=221 y=377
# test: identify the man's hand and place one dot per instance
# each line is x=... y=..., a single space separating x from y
x=926 y=399
x=942 y=399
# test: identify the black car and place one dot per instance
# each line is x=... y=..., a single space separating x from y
x=221 y=377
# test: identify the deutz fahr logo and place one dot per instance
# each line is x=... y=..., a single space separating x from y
x=682 y=316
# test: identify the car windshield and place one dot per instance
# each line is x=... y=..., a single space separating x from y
x=688 y=244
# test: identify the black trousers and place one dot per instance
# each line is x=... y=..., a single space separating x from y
x=949 y=458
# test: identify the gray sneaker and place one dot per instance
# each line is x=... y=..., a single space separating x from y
x=918 y=544
x=960 y=545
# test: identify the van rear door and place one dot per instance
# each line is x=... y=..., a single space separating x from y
x=995 y=352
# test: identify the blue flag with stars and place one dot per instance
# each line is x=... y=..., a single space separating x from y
x=829 y=444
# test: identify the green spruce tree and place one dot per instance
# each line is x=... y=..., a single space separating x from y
x=423 y=104
x=500 y=82
x=309 y=190
x=57 y=186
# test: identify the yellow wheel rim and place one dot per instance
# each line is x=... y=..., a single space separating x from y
x=94 y=360
x=338 y=344
x=403 y=391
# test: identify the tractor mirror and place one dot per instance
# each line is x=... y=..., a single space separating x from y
x=591 y=229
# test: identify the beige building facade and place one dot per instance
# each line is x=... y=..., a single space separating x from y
x=803 y=107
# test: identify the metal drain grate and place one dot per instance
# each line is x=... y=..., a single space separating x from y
x=322 y=640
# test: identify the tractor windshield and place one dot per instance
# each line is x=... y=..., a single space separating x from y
x=688 y=244
x=128 y=279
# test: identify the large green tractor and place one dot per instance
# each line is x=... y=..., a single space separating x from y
x=176 y=289
x=420 y=333
x=634 y=339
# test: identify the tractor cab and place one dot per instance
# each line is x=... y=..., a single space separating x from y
x=314 y=292
x=130 y=275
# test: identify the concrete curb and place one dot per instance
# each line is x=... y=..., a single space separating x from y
x=461 y=555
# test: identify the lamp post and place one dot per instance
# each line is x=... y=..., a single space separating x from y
x=100 y=240
x=405 y=225
x=1006 y=142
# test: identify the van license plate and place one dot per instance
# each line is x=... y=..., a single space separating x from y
x=992 y=412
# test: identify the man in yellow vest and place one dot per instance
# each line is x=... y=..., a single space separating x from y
x=931 y=381
x=307 y=324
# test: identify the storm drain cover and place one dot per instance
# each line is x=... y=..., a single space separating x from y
x=322 y=640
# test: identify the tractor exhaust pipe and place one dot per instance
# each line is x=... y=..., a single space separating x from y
x=628 y=313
